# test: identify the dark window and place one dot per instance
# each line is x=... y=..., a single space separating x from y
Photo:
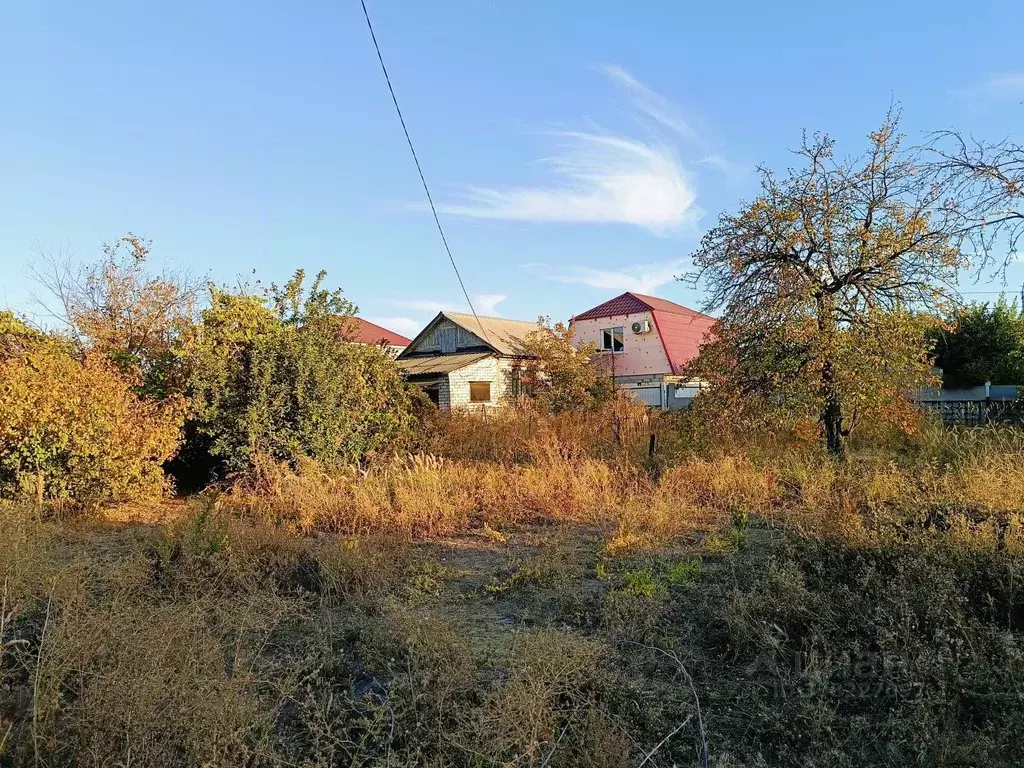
x=515 y=382
x=479 y=391
x=611 y=339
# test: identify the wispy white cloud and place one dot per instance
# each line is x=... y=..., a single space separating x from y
x=1008 y=85
x=606 y=177
x=1012 y=82
x=651 y=104
x=733 y=172
x=487 y=303
x=484 y=303
x=655 y=107
x=641 y=278
x=601 y=178
x=406 y=326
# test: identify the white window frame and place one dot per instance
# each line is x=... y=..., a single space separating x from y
x=609 y=334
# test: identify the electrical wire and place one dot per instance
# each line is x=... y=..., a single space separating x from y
x=419 y=170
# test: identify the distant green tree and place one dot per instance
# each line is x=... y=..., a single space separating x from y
x=982 y=343
x=275 y=375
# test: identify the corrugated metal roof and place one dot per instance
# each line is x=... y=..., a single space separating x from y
x=630 y=302
x=419 y=365
x=626 y=304
x=506 y=336
x=364 y=332
x=682 y=335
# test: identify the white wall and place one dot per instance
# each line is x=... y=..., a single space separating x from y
x=641 y=353
x=491 y=369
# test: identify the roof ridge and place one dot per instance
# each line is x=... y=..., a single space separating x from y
x=487 y=317
x=644 y=297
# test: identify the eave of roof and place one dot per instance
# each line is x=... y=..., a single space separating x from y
x=421 y=365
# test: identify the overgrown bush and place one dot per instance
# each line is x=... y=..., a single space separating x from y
x=72 y=428
x=276 y=376
x=557 y=375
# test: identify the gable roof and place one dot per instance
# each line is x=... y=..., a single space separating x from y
x=364 y=332
x=503 y=336
x=682 y=330
x=629 y=302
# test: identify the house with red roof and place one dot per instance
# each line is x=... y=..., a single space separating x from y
x=645 y=343
x=360 y=331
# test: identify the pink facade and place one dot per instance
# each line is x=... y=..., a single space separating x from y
x=642 y=353
x=667 y=335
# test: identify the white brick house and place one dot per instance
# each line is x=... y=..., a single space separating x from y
x=462 y=361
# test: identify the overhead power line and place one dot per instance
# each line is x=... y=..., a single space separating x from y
x=419 y=169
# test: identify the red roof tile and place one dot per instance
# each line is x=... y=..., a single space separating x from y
x=626 y=304
x=682 y=330
x=364 y=332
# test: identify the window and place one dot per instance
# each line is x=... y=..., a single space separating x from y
x=515 y=385
x=479 y=391
x=611 y=339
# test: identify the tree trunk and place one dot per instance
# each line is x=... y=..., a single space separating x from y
x=832 y=413
x=832 y=410
x=39 y=486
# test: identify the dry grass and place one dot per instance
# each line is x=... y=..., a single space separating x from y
x=320 y=618
x=978 y=489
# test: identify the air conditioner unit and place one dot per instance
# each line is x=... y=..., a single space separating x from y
x=641 y=326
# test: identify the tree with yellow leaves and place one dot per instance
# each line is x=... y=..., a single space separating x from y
x=556 y=374
x=73 y=430
x=823 y=279
x=117 y=306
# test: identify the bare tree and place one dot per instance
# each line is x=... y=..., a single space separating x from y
x=839 y=246
x=116 y=306
x=990 y=176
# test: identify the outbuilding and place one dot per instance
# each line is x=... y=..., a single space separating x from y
x=466 y=361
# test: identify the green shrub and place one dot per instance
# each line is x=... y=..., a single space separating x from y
x=275 y=376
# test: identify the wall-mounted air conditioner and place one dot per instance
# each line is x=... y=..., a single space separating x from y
x=641 y=326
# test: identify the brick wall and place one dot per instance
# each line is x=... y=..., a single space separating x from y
x=444 y=398
x=455 y=392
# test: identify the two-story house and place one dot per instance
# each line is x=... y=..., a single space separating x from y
x=645 y=343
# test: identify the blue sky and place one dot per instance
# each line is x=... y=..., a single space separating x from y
x=576 y=149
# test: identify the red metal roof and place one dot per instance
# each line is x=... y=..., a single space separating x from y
x=682 y=330
x=364 y=332
x=626 y=304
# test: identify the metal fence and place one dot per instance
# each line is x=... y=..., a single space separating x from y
x=975 y=413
